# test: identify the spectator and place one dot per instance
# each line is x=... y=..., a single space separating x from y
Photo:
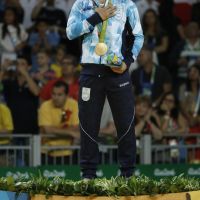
x=15 y=4
x=172 y=121
x=149 y=79
x=57 y=63
x=172 y=25
x=44 y=73
x=54 y=13
x=190 y=104
x=42 y=38
x=189 y=97
x=54 y=16
x=6 y=123
x=155 y=38
x=187 y=52
x=21 y=95
x=144 y=5
x=6 y=127
x=146 y=119
x=59 y=116
x=1 y=85
x=12 y=35
x=195 y=12
x=69 y=66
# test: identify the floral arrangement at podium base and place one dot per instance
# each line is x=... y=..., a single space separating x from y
x=134 y=188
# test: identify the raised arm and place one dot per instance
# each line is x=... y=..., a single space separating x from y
x=37 y=9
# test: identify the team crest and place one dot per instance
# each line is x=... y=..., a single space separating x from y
x=85 y=94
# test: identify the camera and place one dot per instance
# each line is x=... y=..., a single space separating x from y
x=12 y=66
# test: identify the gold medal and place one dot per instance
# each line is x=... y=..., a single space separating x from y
x=101 y=49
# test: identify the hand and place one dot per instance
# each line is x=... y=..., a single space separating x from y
x=39 y=76
x=18 y=47
x=148 y=116
x=106 y=12
x=22 y=70
x=165 y=107
x=119 y=70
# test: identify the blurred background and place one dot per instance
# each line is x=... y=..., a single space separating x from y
x=39 y=73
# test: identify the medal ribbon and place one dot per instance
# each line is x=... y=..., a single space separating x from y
x=104 y=26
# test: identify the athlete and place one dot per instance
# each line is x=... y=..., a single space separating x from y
x=112 y=39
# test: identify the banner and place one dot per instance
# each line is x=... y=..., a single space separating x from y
x=73 y=171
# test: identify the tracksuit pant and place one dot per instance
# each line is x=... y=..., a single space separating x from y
x=96 y=83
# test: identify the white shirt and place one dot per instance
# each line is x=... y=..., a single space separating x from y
x=143 y=6
x=10 y=41
x=28 y=6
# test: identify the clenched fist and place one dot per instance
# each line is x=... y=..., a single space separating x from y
x=106 y=12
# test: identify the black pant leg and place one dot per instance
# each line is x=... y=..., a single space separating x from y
x=120 y=96
x=91 y=101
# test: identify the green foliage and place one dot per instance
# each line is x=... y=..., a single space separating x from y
x=117 y=186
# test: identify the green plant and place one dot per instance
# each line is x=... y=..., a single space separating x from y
x=117 y=186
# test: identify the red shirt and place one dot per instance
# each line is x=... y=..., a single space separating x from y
x=183 y=11
x=45 y=93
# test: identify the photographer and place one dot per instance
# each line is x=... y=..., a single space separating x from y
x=21 y=95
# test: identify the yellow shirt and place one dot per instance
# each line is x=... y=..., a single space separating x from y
x=57 y=69
x=49 y=115
x=6 y=122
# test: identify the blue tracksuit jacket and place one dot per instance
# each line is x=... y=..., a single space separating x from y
x=83 y=20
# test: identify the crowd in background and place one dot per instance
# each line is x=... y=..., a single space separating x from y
x=39 y=72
